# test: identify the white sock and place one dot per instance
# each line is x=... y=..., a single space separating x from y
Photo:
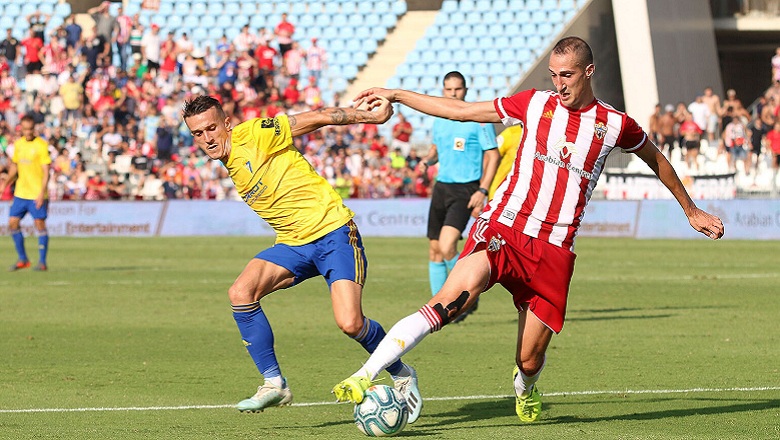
x=404 y=336
x=275 y=381
x=524 y=384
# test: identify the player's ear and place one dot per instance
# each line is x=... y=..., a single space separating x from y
x=227 y=124
x=590 y=70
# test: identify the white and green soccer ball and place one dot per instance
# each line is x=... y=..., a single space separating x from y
x=382 y=412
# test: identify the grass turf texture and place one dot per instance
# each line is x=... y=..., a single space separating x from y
x=146 y=323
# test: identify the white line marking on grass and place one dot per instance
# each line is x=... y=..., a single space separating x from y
x=477 y=397
x=722 y=276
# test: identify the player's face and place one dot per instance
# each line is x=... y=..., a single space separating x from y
x=211 y=133
x=454 y=88
x=28 y=130
x=571 y=79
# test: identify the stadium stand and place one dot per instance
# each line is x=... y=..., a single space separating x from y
x=155 y=159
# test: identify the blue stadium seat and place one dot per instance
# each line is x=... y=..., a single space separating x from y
x=449 y=6
x=457 y=18
x=379 y=33
x=446 y=30
x=257 y=21
x=539 y=16
x=428 y=82
x=496 y=5
x=467 y=6
x=545 y=30
x=533 y=5
x=470 y=42
x=528 y=29
x=173 y=22
x=335 y=46
x=441 y=43
x=369 y=45
x=393 y=82
x=556 y=16
x=348 y=8
x=365 y=7
x=523 y=16
x=232 y=9
x=480 y=30
x=403 y=69
x=535 y=42
x=266 y=8
x=372 y=20
x=491 y=55
x=201 y=8
x=298 y=8
x=399 y=7
x=359 y=59
x=382 y=8
x=389 y=21
x=566 y=5
x=207 y=22
x=490 y=17
x=550 y=5
x=409 y=82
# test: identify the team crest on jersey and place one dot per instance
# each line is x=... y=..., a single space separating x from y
x=495 y=244
x=267 y=123
x=601 y=130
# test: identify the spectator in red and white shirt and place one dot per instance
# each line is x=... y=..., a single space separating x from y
x=122 y=37
x=293 y=59
x=316 y=59
x=524 y=238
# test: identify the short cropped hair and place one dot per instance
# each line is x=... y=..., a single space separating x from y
x=27 y=118
x=455 y=74
x=578 y=47
x=199 y=105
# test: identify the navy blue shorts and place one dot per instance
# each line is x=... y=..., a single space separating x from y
x=338 y=255
x=20 y=207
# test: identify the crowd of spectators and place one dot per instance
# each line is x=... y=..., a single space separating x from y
x=107 y=99
x=743 y=142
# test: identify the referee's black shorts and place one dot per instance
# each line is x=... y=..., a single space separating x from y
x=449 y=206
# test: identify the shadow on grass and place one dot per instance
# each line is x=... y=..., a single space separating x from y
x=497 y=409
x=733 y=407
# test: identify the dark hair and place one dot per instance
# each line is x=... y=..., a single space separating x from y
x=27 y=118
x=575 y=45
x=455 y=74
x=200 y=104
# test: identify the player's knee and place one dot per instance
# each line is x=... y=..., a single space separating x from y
x=239 y=294
x=350 y=326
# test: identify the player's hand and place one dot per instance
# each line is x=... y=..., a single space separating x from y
x=39 y=202
x=477 y=203
x=379 y=108
x=378 y=91
x=706 y=223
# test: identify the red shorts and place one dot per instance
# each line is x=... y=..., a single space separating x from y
x=535 y=272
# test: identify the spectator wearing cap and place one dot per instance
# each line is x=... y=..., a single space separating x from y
x=150 y=48
x=316 y=59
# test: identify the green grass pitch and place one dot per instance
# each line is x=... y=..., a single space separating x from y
x=663 y=340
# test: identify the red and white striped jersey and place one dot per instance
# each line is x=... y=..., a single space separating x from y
x=559 y=160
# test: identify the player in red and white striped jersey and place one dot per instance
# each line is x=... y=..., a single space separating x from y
x=524 y=239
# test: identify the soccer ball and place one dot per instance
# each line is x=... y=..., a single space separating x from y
x=382 y=412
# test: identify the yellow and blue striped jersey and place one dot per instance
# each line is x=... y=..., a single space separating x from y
x=274 y=179
x=30 y=157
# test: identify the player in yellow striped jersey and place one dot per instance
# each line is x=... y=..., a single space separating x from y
x=315 y=234
x=30 y=165
x=508 y=141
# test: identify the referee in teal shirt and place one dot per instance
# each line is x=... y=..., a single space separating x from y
x=468 y=157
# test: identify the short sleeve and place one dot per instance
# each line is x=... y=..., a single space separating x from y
x=272 y=134
x=632 y=137
x=487 y=137
x=512 y=110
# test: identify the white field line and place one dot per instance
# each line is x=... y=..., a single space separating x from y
x=477 y=397
x=139 y=282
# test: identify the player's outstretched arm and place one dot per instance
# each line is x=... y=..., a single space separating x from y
x=448 y=108
x=377 y=111
x=702 y=221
